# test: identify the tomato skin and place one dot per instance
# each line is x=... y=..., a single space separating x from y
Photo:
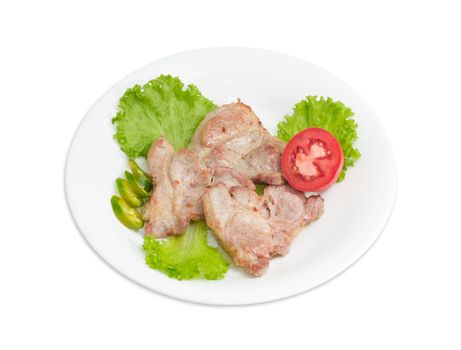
x=312 y=160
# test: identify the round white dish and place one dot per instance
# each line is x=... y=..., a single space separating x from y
x=356 y=210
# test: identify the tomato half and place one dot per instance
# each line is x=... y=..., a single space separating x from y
x=312 y=160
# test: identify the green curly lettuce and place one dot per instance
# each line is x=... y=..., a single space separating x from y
x=260 y=189
x=327 y=114
x=163 y=106
x=186 y=256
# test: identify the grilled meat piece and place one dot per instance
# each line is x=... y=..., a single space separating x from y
x=233 y=136
x=253 y=229
x=290 y=210
x=180 y=180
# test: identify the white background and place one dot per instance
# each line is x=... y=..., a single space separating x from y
x=57 y=58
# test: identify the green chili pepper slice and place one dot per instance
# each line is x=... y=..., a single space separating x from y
x=127 y=193
x=127 y=215
x=136 y=186
x=140 y=175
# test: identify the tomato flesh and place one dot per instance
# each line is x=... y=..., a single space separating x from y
x=312 y=160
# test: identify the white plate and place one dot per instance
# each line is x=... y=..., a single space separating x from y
x=356 y=210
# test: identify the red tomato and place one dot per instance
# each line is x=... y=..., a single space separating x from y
x=312 y=160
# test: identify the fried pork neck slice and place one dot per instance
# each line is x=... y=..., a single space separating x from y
x=233 y=136
x=252 y=228
x=180 y=180
x=230 y=146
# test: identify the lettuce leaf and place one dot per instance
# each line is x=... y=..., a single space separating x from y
x=163 y=106
x=260 y=189
x=186 y=256
x=327 y=114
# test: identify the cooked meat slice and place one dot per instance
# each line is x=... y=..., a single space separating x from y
x=250 y=200
x=223 y=125
x=252 y=229
x=289 y=211
x=230 y=178
x=233 y=136
x=189 y=180
x=180 y=180
x=162 y=219
x=243 y=233
x=179 y=183
x=260 y=163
